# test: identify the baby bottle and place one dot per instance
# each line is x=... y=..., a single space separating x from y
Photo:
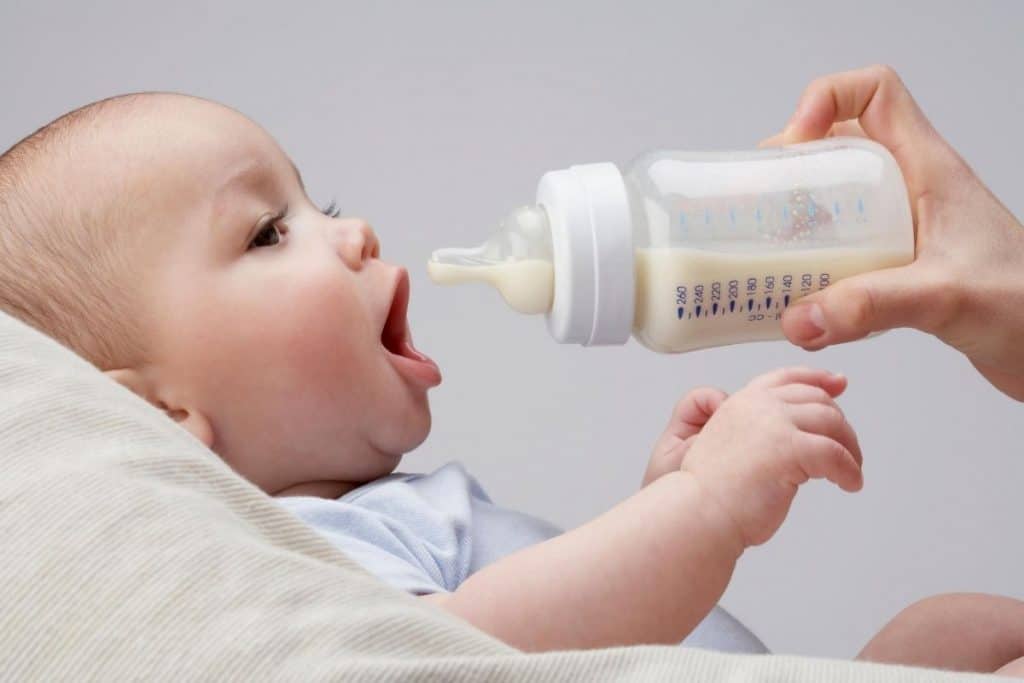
x=687 y=250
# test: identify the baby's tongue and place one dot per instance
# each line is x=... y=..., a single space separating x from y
x=409 y=350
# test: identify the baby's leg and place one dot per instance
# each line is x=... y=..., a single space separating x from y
x=959 y=631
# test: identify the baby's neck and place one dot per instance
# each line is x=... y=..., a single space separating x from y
x=318 y=489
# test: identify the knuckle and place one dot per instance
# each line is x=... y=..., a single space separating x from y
x=824 y=412
x=798 y=447
x=686 y=398
x=782 y=375
x=861 y=308
x=681 y=404
x=831 y=406
x=740 y=398
x=820 y=395
x=833 y=413
x=946 y=299
x=818 y=84
x=836 y=452
x=885 y=73
x=826 y=417
x=766 y=377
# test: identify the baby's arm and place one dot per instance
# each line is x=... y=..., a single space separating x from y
x=651 y=568
x=646 y=571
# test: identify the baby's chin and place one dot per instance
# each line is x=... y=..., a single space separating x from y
x=382 y=466
x=409 y=438
x=407 y=428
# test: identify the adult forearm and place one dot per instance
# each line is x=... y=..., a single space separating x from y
x=647 y=571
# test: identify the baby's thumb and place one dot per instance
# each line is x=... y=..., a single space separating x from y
x=854 y=308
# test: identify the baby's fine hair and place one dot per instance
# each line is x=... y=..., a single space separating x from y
x=64 y=266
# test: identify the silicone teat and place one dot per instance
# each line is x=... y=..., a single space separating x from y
x=517 y=261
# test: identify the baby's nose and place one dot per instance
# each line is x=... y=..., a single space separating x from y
x=355 y=241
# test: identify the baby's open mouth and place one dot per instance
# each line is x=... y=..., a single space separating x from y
x=396 y=339
x=395 y=334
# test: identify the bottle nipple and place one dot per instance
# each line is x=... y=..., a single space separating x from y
x=517 y=261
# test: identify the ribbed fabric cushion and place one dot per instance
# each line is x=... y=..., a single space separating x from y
x=130 y=552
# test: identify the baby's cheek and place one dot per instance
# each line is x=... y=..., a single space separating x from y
x=287 y=344
x=321 y=329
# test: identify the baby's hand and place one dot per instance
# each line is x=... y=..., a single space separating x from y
x=688 y=418
x=766 y=440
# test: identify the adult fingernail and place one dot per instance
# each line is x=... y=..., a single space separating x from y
x=810 y=322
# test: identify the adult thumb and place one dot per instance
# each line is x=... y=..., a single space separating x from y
x=855 y=307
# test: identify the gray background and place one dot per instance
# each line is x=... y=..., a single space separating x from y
x=434 y=119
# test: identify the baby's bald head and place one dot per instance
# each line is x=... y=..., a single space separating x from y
x=76 y=199
x=66 y=233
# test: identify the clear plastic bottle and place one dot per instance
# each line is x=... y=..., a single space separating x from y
x=688 y=250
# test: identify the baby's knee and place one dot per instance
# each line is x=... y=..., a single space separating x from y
x=994 y=622
x=964 y=631
x=931 y=616
x=1014 y=669
x=955 y=610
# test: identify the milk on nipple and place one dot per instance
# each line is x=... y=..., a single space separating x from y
x=527 y=286
x=517 y=261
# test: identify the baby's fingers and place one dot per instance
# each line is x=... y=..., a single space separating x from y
x=827 y=420
x=694 y=411
x=803 y=393
x=823 y=458
x=831 y=382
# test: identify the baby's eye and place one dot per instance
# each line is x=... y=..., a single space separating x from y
x=268 y=236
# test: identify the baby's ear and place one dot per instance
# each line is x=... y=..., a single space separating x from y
x=189 y=418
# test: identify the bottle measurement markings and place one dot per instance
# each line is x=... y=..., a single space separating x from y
x=759 y=303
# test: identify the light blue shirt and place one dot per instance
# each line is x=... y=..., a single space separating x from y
x=426 y=533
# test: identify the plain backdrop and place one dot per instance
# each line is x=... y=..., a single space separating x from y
x=434 y=119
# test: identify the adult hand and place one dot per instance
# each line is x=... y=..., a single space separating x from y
x=966 y=285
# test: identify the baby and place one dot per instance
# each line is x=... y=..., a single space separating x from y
x=169 y=241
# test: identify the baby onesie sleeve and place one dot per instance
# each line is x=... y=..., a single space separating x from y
x=422 y=533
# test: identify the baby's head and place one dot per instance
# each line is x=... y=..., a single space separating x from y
x=169 y=241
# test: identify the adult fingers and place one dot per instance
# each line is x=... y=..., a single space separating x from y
x=887 y=112
x=842 y=128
